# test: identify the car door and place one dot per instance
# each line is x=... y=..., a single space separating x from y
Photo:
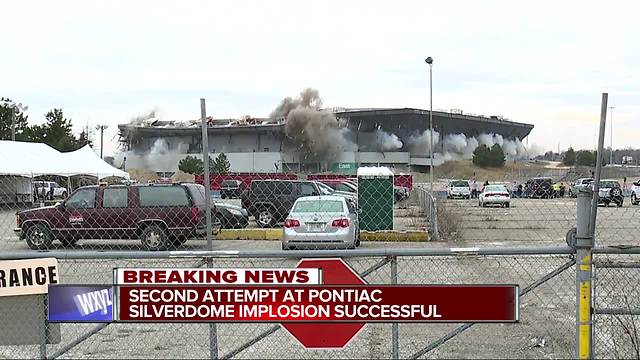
x=115 y=221
x=79 y=219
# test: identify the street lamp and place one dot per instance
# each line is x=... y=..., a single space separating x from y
x=611 y=135
x=14 y=108
x=429 y=61
x=101 y=128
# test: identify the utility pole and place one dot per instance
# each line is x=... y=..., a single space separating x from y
x=14 y=109
x=101 y=128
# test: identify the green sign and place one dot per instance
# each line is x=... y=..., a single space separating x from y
x=348 y=168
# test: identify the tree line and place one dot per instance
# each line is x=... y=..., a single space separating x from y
x=581 y=158
x=195 y=166
x=56 y=131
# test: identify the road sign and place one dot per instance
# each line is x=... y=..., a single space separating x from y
x=327 y=335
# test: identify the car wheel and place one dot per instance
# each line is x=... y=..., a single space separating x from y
x=69 y=242
x=507 y=205
x=154 y=237
x=619 y=204
x=265 y=218
x=357 y=239
x=634 y=200
x=38 y=237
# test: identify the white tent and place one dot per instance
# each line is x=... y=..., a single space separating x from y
x=33 y=159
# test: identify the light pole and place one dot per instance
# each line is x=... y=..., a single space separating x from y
x=429 y=61
x=611 y=135
x=101 y=128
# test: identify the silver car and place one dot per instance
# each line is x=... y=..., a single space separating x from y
x=326 y=221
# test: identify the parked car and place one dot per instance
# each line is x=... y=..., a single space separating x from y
x=609 y=192
x=494 y=195
x=400 y=193
x=231 y=216
x=458 y=189
x=341 y=185
x=161 y=216
x=635 y=193
x=321 y=221
x=539 y=187
x=269 y=201
x=581 y=183
x=230 y=189
x=49 y=190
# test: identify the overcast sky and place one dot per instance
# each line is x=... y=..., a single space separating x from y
x=544 y=63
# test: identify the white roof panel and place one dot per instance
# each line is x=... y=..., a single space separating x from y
x=374 y=171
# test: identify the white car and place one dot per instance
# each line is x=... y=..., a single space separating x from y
x=49 y=190
x=458 y=189
x=326 y=221
x=494 y=195
x=635 y=193
x=581 y=183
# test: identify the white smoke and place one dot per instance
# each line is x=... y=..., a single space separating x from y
x=161 y=157
x=461 y=147
x=387 y=142
x=419 y=143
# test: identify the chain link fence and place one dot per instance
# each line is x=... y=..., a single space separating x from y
x=616 y=307
x=544 y=276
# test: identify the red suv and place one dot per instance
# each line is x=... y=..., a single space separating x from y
x=161 y=216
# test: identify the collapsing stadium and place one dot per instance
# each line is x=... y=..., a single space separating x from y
x=300 y=136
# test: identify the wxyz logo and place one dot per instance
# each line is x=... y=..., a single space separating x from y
x=94 y=301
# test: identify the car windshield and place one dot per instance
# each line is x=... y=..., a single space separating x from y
x=495 y=188
x=315 y=206
x=460 y=184
x=608 y=184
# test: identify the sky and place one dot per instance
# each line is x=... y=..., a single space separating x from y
x=545 y=62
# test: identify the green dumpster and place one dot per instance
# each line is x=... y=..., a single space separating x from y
x=375 y=198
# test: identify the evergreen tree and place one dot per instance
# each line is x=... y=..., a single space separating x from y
x=586 y=158
x=496 y=156
x=481 y=155
x=569 y=158
x=191 y=165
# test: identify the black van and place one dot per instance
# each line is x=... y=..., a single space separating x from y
x=539 y=187
x=230 y=189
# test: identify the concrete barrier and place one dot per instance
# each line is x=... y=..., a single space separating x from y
x=276 y=234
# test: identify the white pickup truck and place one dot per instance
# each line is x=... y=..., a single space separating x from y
x=49 y=190
x=635 y=193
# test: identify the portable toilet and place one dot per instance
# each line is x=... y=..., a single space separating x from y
x=375 y=198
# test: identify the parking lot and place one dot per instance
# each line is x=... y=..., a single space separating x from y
x=526 y=222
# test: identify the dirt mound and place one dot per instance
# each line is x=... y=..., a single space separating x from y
x=183 y=177
x=142 y=175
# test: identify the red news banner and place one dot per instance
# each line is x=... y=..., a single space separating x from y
x=239 y=295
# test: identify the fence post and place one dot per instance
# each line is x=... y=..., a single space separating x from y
x=213 y=331
x=584 y=244
x=395 y=333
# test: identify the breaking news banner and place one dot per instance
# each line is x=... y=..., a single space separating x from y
x=296 y=295
x=324 y=303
